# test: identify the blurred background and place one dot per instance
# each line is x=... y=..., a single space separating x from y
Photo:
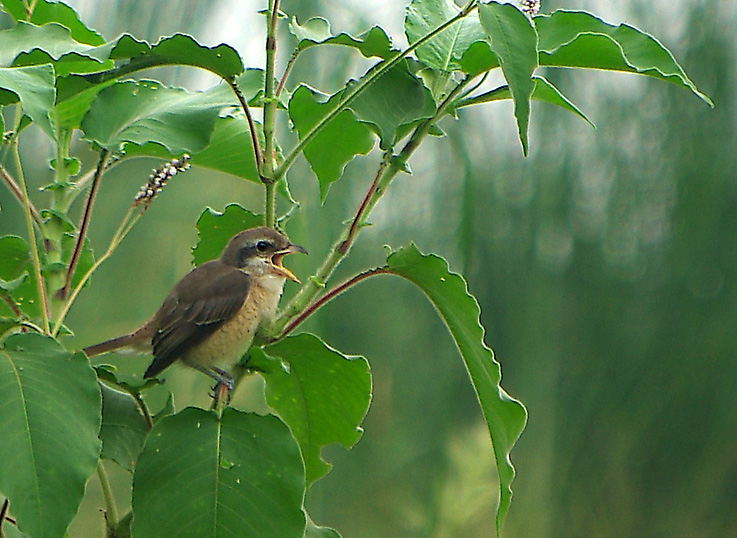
x=605 y=265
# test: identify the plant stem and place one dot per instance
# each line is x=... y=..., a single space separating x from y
x=36 y=260
x=258 y=157
x=270 y=106
x=359 y=88
x=111 y=511
x=388 y=170
x=333 y=293
x=15 y=191
x=86 y=215
x=128 y=221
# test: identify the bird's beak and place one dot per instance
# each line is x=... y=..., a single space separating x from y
x=276 y=261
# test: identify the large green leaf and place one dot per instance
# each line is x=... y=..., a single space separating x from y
x=316 y=31
x=579 y=39
x=320 y=393
x=55 y=40
x=50 y=418
x=505 y=417
x=443 y=51
x=45 y=11
x=215 y=229
x=238 y=476
x=393 y=103
x=544 y=92
x=338 y=142
x=123 y=427
x=34 y=87
x=514 y=41
x=147 y=112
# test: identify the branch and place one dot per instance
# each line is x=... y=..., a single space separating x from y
x=64 y=291
x=258 y=157
x=270 y=106
x=15 y=190
x=314 y=307
x=25 y=200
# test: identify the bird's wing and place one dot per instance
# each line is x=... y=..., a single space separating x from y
x=203 y=300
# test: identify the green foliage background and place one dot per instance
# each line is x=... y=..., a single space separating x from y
x=605 y=265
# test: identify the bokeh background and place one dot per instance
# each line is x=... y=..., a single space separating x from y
x=605 y=264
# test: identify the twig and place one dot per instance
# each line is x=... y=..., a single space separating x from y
x=258 y=157
x=86 y=215
x=15 y=190
x=333 y=293
x=40 y=283
x=270 y=106
x=111 y=511
x=345 y=245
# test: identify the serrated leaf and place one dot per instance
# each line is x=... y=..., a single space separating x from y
x=444 y=51
x=34 y=87
x=544 y=92
x=148 y=112
x=447 y=291
x=241 y=475
x=316 y=31
x=182 y=49
x=215 y=229
x=320 y=393
x=55 y=40
x=123 y=428
x=579 y=39
x=50 y=418
x=45 y=12
x=514 y=41
x=339 y=141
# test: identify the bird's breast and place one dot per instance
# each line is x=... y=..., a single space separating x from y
x=227 y=344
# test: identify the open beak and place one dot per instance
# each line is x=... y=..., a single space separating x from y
x=276 y=261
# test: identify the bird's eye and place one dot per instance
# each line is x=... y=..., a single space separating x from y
x=263 y=246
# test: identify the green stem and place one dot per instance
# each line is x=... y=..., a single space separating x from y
x=111 y=511
x=257 y=156
x=36 y=260
x=270 y=107
x=359 y=88
x=128 y=221
x=390 y=167
x=86 y=215
x=15 y=190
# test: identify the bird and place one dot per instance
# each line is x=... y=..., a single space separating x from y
x=210 y=317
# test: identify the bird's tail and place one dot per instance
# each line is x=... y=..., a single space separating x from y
x=111 y=345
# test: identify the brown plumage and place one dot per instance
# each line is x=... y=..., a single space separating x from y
x=213 y=312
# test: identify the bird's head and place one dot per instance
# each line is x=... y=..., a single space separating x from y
x=259 y=252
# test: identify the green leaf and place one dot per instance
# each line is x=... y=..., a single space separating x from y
x=240 y=475
x=393 y=104
x=316 y=31
x=514 y=41
x=123 y=428
x=544 y=91
x=182 y=49
x=148 y=112
x=34 y=88
x=444 y=51
x=579 y=39
x=320 y=393
x=505 y=417
x=50 y=418
x=55 y=40
x=337 y=143
x=314 y=531
x=45 y=12
x=132 y=384
x=215 y=229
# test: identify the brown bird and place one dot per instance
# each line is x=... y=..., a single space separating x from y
x=211 y=315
